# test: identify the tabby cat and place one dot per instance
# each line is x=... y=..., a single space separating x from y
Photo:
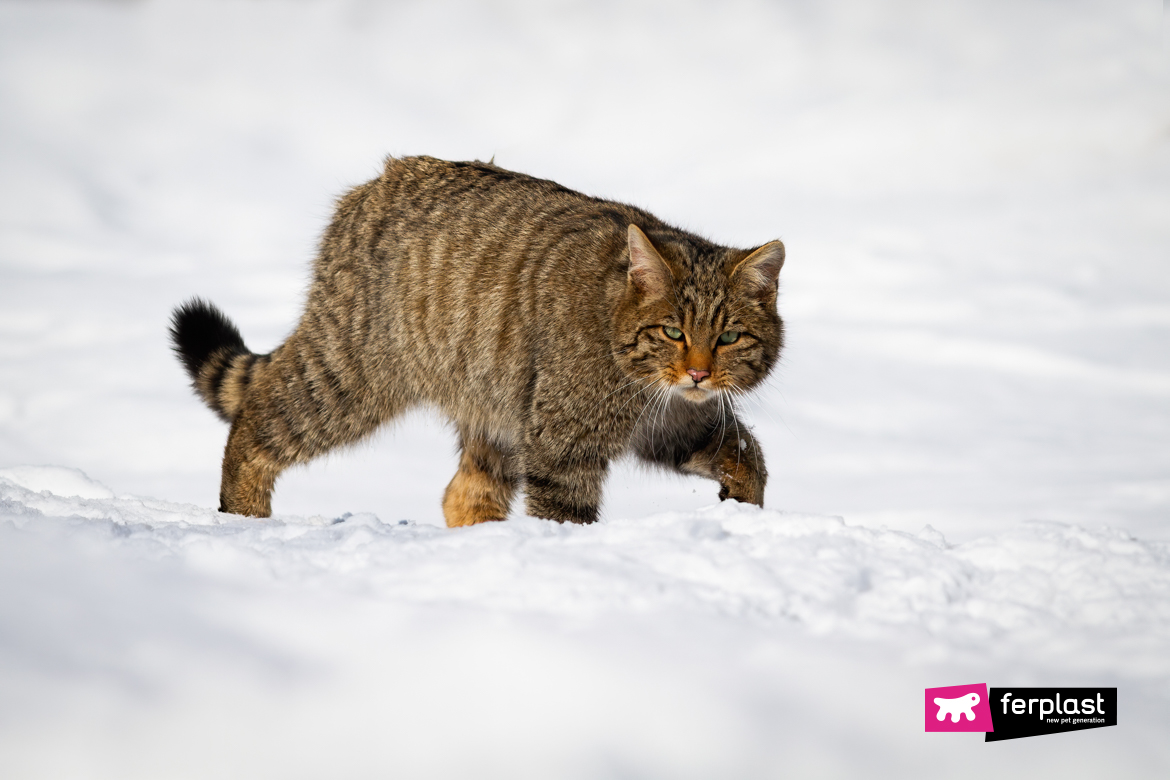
x=557 y=331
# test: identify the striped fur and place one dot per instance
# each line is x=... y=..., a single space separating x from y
x=214 y=355
x=537 y=319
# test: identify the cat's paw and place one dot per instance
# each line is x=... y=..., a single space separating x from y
x=738 y=481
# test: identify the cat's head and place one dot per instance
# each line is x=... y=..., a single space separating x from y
x=698 y=319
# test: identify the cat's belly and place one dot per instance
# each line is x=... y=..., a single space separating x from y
x=491 y=407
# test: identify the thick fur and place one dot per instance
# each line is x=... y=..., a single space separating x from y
x=534 y=317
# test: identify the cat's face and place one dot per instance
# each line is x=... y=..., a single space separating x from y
x=697 y=321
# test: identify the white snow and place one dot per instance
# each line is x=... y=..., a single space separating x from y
x=966 y=439
x=56 y=481
x=149 y=638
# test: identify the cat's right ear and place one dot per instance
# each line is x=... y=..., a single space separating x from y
x=757 y=273
x=649 y=274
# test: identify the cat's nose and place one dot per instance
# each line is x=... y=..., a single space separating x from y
x=698 y=375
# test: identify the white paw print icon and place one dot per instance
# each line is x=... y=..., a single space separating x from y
x=960 y=705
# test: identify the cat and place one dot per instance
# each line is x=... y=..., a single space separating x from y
x=557 y=331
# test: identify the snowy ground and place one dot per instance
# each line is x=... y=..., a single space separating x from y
x=974 y=200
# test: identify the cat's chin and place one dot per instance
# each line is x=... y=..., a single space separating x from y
x=696 y=395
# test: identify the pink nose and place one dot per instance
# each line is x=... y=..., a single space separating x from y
x=698 y=375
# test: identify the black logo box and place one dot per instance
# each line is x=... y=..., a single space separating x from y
x=1030 y=712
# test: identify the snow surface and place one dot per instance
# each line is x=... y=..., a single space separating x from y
x=967 y=437
x=143 y=638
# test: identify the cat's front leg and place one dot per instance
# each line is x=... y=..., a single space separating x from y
x=563 y=474
x=566 y=491
x=736 y=462
x=742 y=475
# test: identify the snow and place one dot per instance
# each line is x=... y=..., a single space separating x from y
x=158 y=638
x=966 y=437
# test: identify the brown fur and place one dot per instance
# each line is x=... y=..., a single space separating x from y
x=535 y=318
x=482 y=489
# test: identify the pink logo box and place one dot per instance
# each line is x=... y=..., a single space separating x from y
x=958 y=708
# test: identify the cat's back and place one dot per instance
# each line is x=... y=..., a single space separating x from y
x=471 y=235
x=427 y=183
x=473 y=202
x=478 y=274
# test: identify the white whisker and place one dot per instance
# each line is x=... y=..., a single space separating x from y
x=623 y=387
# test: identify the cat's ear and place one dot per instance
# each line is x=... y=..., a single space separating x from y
x=649 y=273
x=758 y=273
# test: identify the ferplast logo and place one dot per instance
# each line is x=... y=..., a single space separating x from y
x=1030 y=712
x=958 y=708
x=1011 y=713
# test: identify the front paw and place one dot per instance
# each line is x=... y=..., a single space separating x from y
x=739 y=481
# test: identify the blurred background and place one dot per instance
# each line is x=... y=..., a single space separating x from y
x=974 y=197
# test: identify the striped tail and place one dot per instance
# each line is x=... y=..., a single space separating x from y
x=213 y=352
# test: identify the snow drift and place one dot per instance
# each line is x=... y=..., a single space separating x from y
x=145 y=638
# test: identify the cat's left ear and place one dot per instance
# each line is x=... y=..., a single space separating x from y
x=759 y=273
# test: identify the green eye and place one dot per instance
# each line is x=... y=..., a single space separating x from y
x=673 y=333
x=729 y=337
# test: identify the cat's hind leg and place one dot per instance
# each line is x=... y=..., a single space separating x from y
x=249 y=472
x=294 y=409
x=484 y=485
x=312 y=394
x=225 y=374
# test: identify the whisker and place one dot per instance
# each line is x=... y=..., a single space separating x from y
x=757 y=404
x=649 y=401
x=623 y=387
x=651 y=383
x=661 y=401
x=722 y=428
x=738 y=437
x=755 y=448
x=663 y=408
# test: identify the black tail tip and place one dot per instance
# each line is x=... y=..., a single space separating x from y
x=198 y=329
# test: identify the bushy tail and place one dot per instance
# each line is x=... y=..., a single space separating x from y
x=214 y=355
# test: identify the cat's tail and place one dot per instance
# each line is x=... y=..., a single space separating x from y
x=213 y=352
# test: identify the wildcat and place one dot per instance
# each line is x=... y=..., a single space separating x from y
x=557 y=332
